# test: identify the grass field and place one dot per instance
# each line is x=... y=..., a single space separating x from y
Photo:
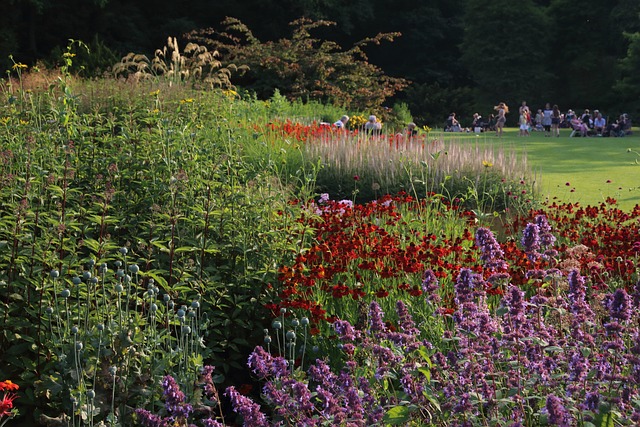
x=584 y=170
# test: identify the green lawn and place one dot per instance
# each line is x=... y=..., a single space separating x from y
x=594 y=167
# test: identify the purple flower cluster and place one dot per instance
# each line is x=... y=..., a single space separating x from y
x=491 y=254
x=175 y=405
x=431 y=286
x=531 y=241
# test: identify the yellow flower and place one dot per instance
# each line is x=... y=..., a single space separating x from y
x=19 y=65
x=24 y=122
x=230 y=93
x=426 y=128
x=487 y=164
x=186 y=101
x=155 y=92
x=4 y=120
x=68 y=55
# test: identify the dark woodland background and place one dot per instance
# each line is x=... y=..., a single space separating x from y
x=459 y=55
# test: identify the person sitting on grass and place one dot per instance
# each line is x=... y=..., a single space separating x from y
x=599 y=124
x=579 y=126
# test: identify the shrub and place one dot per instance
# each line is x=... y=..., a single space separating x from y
x=304 y=67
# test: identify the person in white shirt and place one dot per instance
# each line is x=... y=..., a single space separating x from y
x=599 y=124
x=342 y=122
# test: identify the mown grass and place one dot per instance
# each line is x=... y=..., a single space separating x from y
x=594 y=168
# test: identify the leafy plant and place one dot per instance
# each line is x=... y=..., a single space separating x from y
x=304 y=67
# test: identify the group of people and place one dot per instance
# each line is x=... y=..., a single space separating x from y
x=549 y=120
x=373 y=126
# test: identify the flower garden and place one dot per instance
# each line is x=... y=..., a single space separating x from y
x=172 y=257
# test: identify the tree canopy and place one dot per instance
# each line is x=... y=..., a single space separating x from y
x=469 y=52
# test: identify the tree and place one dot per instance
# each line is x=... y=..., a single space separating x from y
x=586 y=45
x=504 y=48
x=304 y=67
x=628 y=87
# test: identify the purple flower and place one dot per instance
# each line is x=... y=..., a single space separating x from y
x=247 y=408
x=464 y=286
x=619 y=305
x=430 y=286
x=212 y=423
x=514 y=302
x=345 y=331
x=490 y=252
x=531 y=241
x=264 y=365
x=546 y=238
x=175 y=398
x=592 y=400
x=405 y=321
x=210 y=390
x=558 y=415
x=636 y=294
x=147 y=419
x=376 y=315
x=578 y=367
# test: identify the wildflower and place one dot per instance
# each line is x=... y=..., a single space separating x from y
x=531 y=241
x=487 y=164
x=376 y=315
x=210 y=390
x=7 y=385
x=592 y=400
x=546 y=237
x=175 y=398
x=619 y=305
x=430 y=286
x=212 y=423
x=404 y=319
x=557 y=413
x=147 y=419
x=491 y=253
x=345 y=330
x=247 y=408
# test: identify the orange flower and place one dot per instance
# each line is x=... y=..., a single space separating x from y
x=8 y=385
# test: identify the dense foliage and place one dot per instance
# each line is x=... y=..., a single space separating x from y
x=150 y=231
x=538 y=50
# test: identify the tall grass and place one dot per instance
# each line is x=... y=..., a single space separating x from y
x=360 y=166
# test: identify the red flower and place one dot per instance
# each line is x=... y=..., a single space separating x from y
x=8 y=386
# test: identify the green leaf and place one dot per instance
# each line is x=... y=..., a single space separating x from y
x=426 y=372
x=396 y=416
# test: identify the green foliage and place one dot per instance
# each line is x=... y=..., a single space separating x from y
x=431 y=104
x=628 y=87
x=505 y=49
x=304 y=67
x=163 y=177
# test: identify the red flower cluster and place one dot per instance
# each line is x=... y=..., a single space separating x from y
x=298 y=131
x=372 y=251
x=6 y=403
